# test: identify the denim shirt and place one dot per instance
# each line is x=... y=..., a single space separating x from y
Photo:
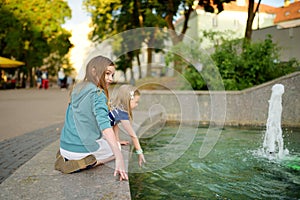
x=86 y=117
x=116 y=115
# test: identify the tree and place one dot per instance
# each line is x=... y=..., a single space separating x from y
x=251 y=16
x=112 y=17
x=31 y=31
x=169 y=9
x=155 y=36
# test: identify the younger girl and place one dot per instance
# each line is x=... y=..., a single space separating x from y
x=122 y=106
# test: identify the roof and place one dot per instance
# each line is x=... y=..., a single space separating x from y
x=285 y=17
x=291 y=12
x=262 y=7
x=233 y=6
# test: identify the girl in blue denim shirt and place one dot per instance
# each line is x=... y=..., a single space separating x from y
x=123 y=103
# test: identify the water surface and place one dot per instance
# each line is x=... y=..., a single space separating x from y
x=232 y=170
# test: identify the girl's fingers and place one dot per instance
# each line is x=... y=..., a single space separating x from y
x=123 y=175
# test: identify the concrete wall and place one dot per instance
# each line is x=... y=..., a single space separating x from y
x=288 y=39
x=235 y=108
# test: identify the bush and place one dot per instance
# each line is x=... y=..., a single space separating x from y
x=243 y=65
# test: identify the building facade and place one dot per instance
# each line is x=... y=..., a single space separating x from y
x=282 y=23
x=285 y=31
x=231 y=22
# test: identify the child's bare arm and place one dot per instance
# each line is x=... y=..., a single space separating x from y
x=127 y=126
x=116 y=130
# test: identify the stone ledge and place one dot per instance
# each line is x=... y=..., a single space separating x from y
x=37 y=179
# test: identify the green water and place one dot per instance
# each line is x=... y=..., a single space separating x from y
x=232 y=170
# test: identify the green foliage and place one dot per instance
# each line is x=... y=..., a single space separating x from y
x=104 y=16
x=244 y=65
x=193 y=76
x=31 y=30
x=198 y=68
x=111 y=18
x=286 y=67
x=241 y=65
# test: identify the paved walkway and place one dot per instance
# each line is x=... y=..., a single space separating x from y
x=30 y=119
x=16 y=151
x=26 y=110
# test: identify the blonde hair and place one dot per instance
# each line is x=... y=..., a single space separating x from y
x=122 y=99
x=95 y=73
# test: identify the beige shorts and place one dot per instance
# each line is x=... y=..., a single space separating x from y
x=102 y=153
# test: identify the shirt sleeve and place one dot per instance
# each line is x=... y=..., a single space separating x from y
x=123 y=115
x=119 y=115
x=101 y=110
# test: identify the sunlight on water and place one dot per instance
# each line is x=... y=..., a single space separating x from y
x=233 y=170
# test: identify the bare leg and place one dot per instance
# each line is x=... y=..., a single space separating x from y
x=101 y=162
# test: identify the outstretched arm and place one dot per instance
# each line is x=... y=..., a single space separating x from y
x=119 y=165
x=116 y=130
x=127 y=126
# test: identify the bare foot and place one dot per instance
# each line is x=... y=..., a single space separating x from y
x=124 y=142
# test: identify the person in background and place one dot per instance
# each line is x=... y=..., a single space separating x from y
x=3 y=76
x=45 y=80
x=122 y=105
x=69 y=82
x=38 y=74
x=61 y=78
x=87 y=138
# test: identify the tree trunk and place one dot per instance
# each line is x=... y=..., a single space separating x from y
x=31 y=79
x=125 y=76
x=132 y=80
x=139 y=65
x=129 y=58
x=176 y=38
x=138 y=6
x=149 y=62
x=251 y=16
x=150 y=45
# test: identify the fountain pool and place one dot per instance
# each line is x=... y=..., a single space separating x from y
x=232 y=170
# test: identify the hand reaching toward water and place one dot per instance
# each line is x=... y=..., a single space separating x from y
x=120 y=170
x=141 y=159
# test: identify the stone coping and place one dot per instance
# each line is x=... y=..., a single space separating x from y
x=247 y=90
x=37 y=179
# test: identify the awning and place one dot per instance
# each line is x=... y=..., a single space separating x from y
x=8 y=63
